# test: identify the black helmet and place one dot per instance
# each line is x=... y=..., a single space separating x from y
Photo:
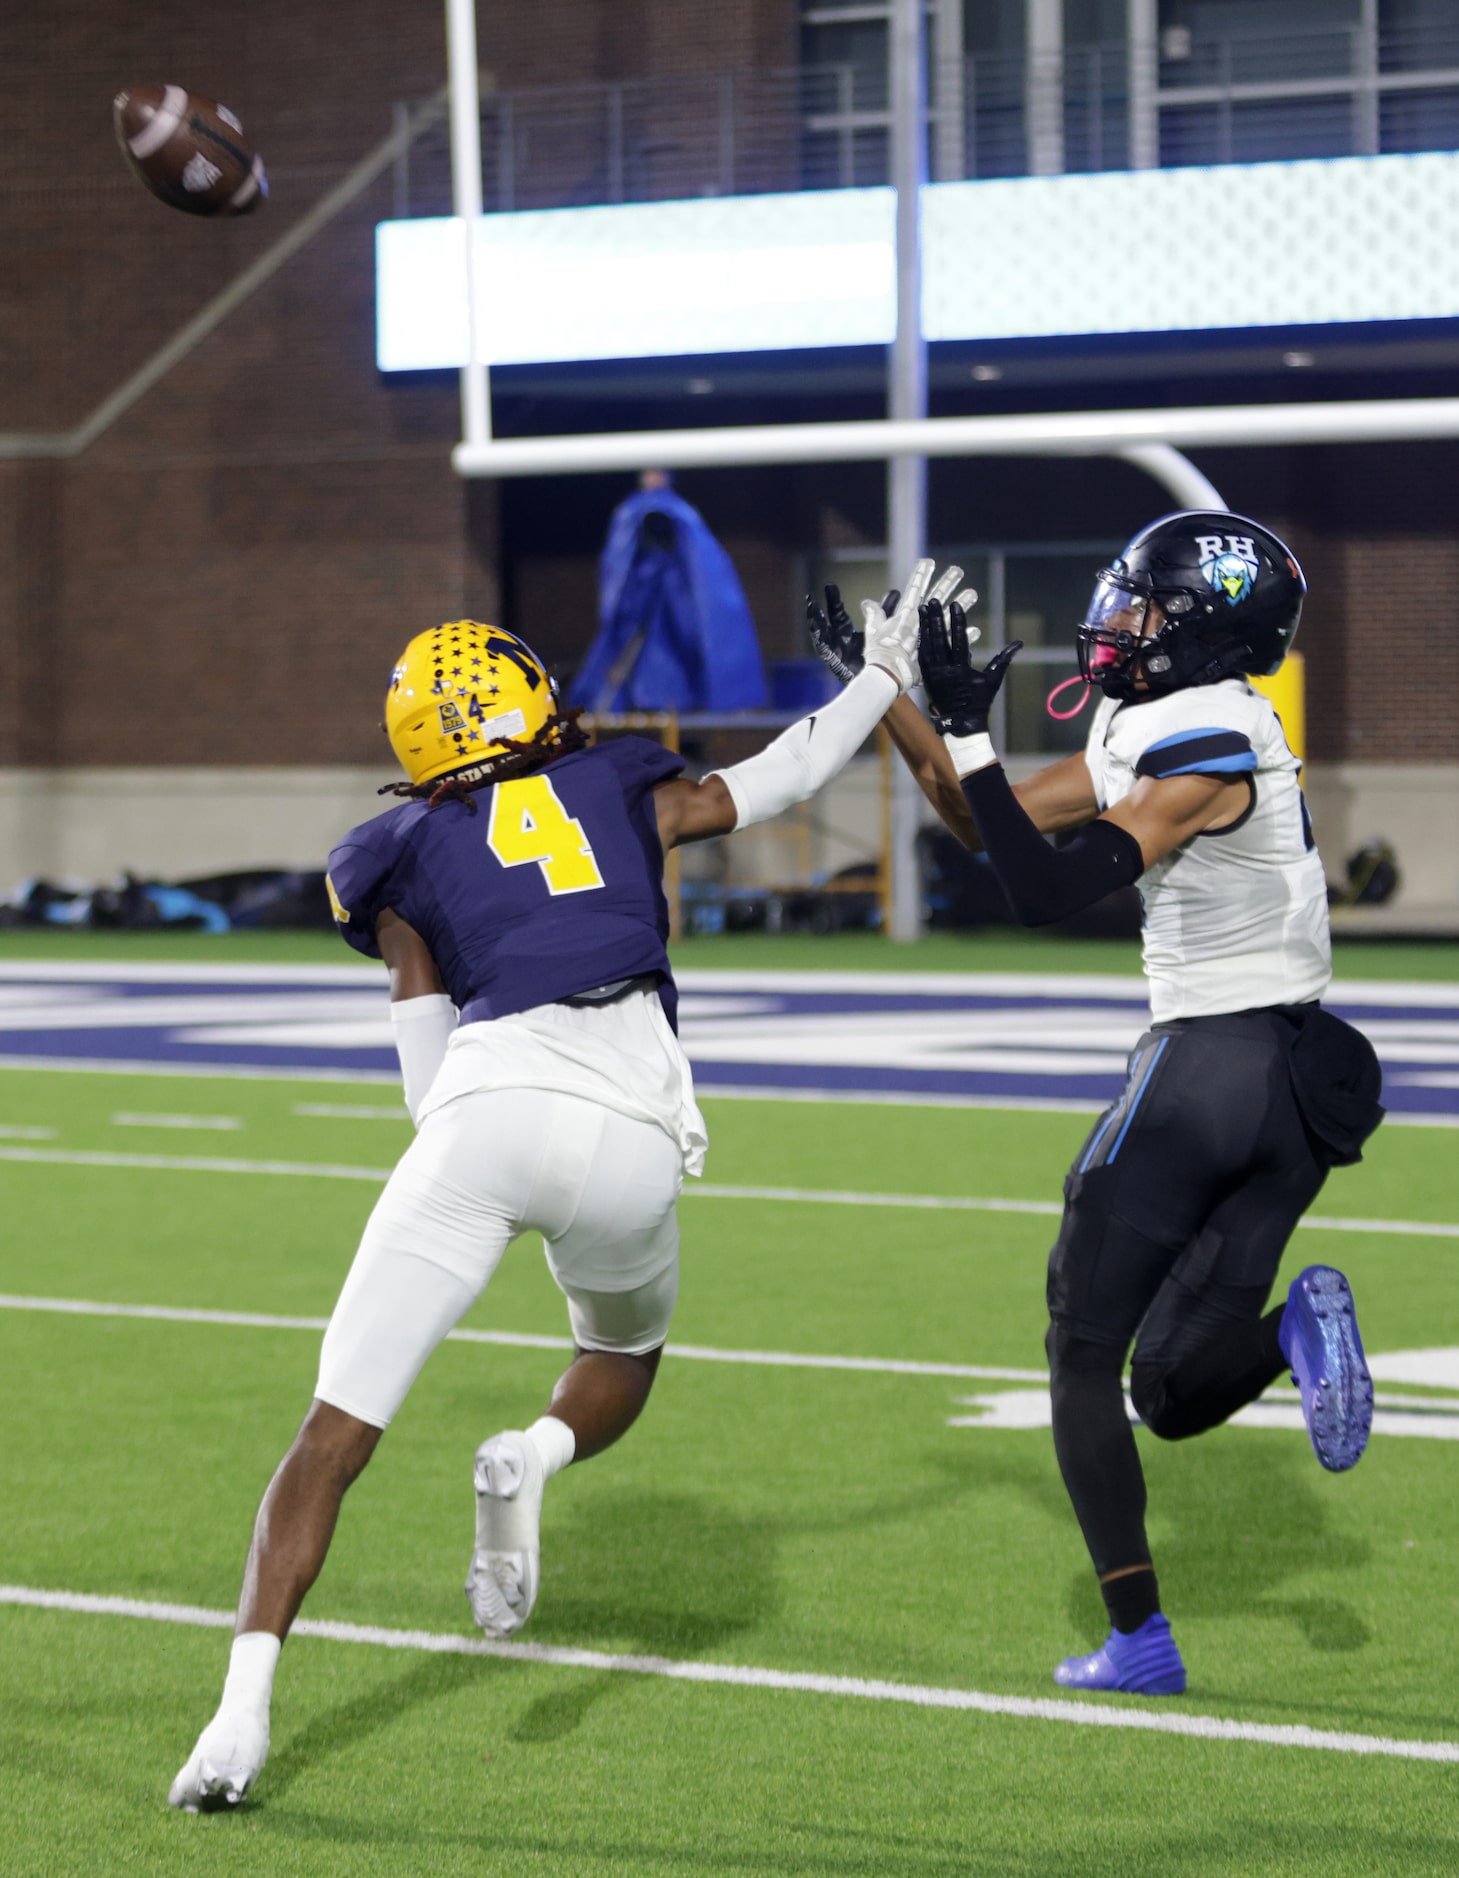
x=1231 y=593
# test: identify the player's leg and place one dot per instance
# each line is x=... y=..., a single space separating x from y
x=606 y=1205
x=1150 y=1172
x=1210 y=1346
x=425 y=1256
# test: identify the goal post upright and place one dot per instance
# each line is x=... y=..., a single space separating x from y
x=463 y=80
x=907 y=403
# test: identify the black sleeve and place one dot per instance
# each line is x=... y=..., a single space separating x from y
x=1044 y=883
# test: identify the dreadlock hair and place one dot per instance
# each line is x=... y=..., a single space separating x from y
x=559 y=736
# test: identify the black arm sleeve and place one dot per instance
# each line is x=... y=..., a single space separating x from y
x=1044 y=883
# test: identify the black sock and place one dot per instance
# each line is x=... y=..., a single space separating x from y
x=1131 y=1599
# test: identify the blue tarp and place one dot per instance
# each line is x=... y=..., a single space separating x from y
x=675 y=631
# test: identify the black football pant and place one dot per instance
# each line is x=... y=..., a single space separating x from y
x=1176 y=1213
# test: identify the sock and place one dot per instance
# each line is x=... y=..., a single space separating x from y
x=251 y=1666
x=1132 y=1599
x=554 y=1441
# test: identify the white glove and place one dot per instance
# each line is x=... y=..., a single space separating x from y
x=892 y=643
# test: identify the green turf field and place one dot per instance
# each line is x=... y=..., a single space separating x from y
x=789 y=1518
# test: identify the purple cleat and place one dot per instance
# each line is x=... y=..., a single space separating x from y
x=1319 y=1338
x=1144 y=1662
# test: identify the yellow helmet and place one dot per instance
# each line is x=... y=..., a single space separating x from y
x=460 y=694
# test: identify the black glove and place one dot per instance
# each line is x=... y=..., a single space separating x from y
x=834 y=639
x=960 y=693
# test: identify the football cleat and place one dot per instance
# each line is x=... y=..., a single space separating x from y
x=506 y=1565
x=1319 y=1338
x=1144 y=1662
x=224 y=1765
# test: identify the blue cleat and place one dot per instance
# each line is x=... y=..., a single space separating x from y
x=1144 y=1662
x=1319 y=1338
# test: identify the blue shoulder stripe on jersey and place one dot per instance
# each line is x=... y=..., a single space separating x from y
x=1209 y=750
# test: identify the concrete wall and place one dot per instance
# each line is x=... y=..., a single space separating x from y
x=92 y=823
x=1413 y=806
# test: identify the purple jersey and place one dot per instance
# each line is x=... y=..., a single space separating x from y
x=553 y=887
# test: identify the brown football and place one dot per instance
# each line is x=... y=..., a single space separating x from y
x=189 y=151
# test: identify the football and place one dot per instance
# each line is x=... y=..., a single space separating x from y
x=190 y=152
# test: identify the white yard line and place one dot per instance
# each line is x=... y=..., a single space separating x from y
x=343 y=1112
x=686 y=1352
x=735 y=1675
x=226 y=1072
x=795 y=1196
x=134 y=1118
x=190 y=1163
x=708 y=1092
x=521 y=1340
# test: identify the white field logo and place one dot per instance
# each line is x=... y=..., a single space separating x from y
x=1229 y=563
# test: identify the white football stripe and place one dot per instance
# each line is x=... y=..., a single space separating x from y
x=165 y=120
x=248 y=188
x=743 y=1676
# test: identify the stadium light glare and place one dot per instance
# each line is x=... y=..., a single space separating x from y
x=1280 y=244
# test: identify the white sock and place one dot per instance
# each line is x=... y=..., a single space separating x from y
x=554 y=1441
x=251 y=1666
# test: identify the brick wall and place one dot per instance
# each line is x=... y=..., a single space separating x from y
x=225 y=576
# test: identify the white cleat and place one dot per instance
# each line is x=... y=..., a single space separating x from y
x=506 y=1566
x=224 y=1765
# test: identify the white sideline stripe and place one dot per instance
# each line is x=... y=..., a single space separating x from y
x=523 y=1340
x=735 y=1675
x=810 y=1196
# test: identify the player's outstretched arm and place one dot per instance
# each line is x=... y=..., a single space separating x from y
x=421 y=1015
x=1057 y=797
x=804 y=758
x=1043 y=883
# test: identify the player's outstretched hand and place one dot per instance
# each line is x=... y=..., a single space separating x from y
x=961 y=694
x=891 y=629
x=834 y=639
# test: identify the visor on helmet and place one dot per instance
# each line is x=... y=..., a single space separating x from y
x=1116 y=607
x=1113 y=624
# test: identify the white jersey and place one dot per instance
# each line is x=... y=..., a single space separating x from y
x=1237 y=917
x=622 y=1055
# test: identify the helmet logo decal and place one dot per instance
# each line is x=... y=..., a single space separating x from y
x=451 y=718
x=1229 y=563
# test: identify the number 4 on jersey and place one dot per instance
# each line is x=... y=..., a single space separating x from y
x=529 y=823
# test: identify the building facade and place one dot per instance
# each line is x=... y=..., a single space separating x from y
x=198 y=610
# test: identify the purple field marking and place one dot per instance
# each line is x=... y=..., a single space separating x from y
x=315 y=1020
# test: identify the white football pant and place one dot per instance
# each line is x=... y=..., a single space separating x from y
x=598 y=1186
